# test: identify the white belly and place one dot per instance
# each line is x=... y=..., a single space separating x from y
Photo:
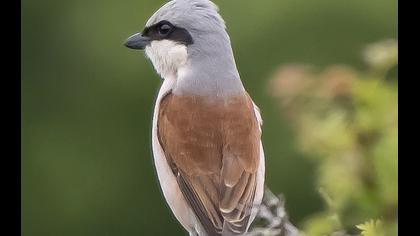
x=167 y=180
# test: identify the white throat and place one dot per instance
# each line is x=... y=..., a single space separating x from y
x=167 y=57
x=198 y=74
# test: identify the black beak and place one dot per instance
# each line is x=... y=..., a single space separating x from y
x=137 y=41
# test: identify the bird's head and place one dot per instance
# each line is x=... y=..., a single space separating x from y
x=182 y=32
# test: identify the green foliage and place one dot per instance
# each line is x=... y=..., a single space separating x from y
x=347 y=120
x=372 y=228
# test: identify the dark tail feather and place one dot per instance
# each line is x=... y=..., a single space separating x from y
x=230 y=229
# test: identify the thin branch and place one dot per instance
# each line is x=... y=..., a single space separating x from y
x=272 y=219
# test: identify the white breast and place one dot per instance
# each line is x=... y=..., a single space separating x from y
x=171 y=191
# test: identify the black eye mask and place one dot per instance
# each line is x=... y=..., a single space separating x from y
x=166 y=30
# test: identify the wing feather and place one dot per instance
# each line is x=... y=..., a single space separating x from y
x=213 y=149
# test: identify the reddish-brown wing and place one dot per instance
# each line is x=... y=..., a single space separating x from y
x=212 y=146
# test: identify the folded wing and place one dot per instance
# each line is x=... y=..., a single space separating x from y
x=212 y=147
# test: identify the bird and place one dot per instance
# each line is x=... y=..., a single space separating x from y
x=206 y=129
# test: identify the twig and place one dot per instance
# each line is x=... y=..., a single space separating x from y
x=272 y=219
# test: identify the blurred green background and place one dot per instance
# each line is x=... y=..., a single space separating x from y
x=87 y=104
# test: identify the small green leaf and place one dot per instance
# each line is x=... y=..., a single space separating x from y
x=371 y=228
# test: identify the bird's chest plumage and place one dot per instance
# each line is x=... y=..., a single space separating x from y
x=198 y=130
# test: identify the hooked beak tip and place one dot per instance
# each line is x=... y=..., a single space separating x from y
x=137 y=41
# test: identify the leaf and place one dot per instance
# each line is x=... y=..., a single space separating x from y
x=371 y=228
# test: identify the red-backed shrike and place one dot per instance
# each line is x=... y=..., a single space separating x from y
x=206 y=131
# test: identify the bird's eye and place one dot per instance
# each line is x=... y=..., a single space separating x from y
x=164 y=29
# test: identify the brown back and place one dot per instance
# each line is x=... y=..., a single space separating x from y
x=212 y=146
